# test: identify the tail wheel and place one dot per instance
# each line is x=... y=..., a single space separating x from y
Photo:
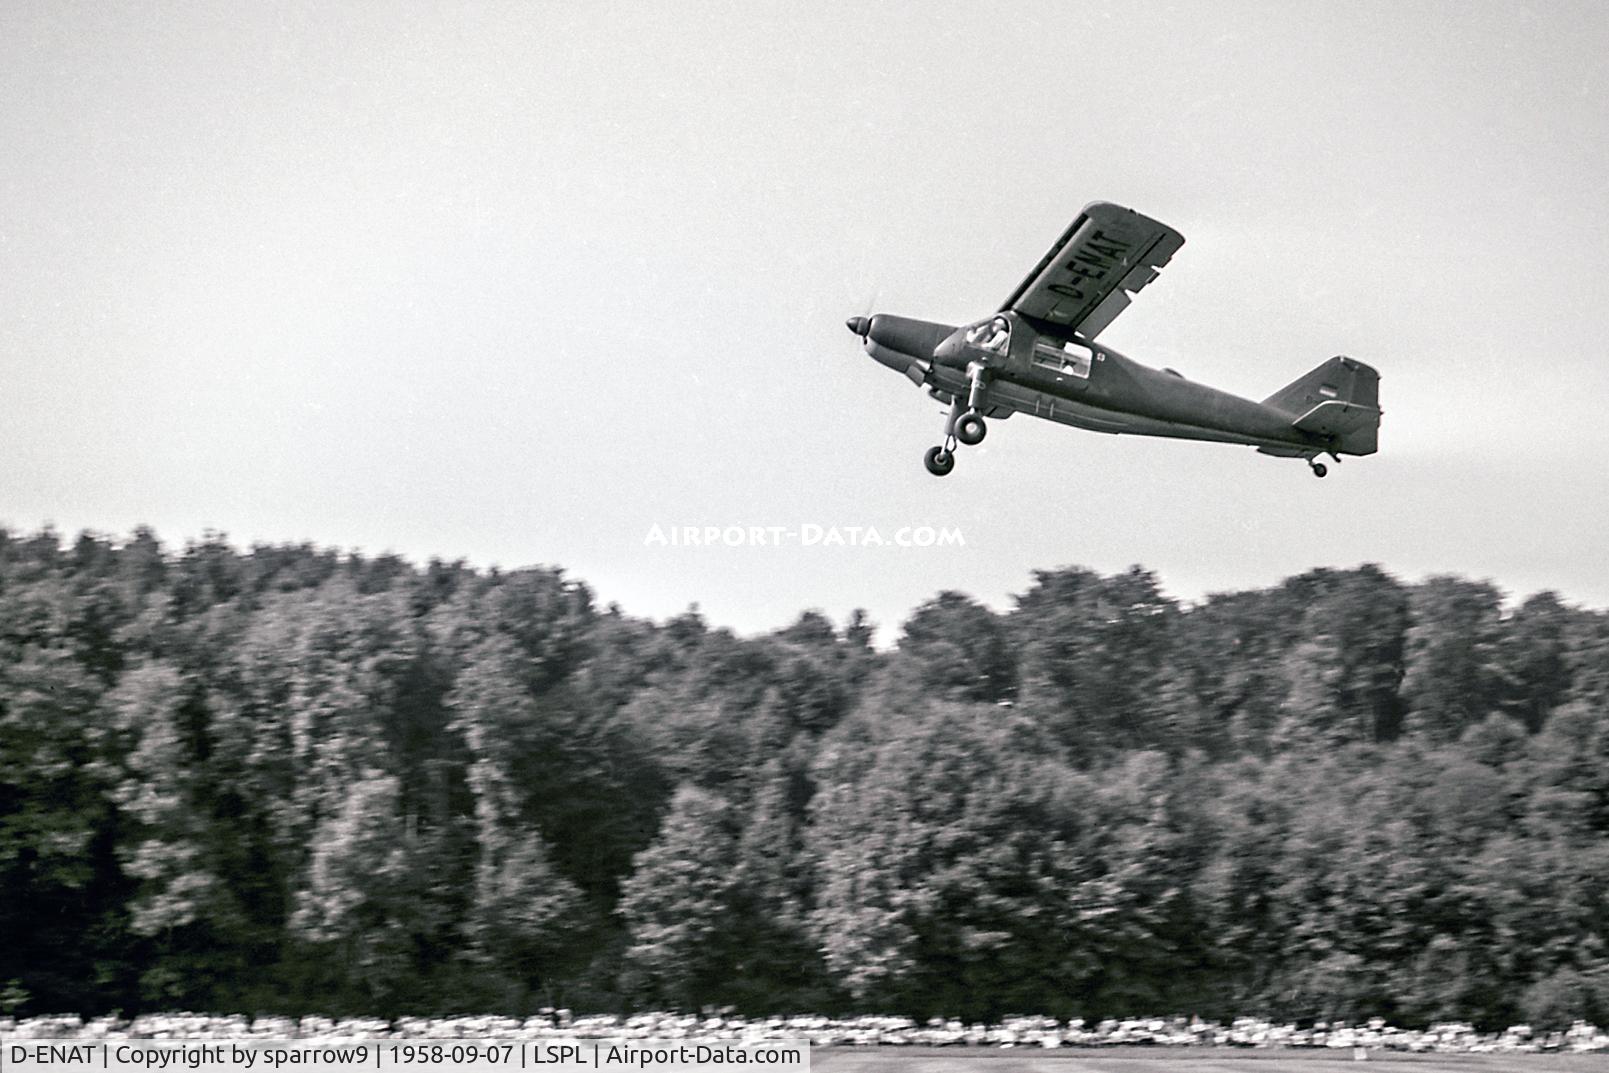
x=1320 y=469
x=939 y=461
x=970 y=429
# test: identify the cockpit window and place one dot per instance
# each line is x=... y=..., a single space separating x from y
x=992 y=335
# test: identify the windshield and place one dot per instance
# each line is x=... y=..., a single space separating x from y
x=992 y=335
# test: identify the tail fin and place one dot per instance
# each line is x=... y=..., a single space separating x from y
x=1339 y=400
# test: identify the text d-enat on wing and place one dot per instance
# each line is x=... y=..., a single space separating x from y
x=1088 y=276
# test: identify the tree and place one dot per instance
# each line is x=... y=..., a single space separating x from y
x=547 y=763
x=171 y=841
x=955 y=648
x=303 y=780
x=778 y=966
x=1345 y=670
x=1228 y=654
x=1558 y=1000
x=1093 y=658
x=677 y=905
x=1532 y=661
x=525 y=917
x=61 y=911
x=366 y=905
x=156 y=794
x=1452 y=676
x=962 y=870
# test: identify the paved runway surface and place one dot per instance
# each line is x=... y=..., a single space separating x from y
x=1156 y=1060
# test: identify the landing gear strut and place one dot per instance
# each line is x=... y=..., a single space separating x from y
x=965 y=425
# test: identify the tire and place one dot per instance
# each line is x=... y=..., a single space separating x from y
x=939 y=461
x=1320 y=469
x=970 y=429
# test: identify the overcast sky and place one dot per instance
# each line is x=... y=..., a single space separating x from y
x=520 y=282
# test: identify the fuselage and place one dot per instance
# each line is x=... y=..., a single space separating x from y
x=1084 y=384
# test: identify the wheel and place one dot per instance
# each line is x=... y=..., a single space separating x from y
x=1320 y=469
x=939 y=461
x=970 y=429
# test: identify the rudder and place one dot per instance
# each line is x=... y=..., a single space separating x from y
x=1339 y=400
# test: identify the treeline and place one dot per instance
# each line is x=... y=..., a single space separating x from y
x=291 y=780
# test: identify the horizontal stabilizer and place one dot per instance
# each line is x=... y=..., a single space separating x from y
x=1335 y=418
x=1338 y=401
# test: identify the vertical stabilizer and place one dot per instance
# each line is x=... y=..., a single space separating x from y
x=1339 y=400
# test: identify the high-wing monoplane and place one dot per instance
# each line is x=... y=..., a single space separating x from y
x=1038 y=356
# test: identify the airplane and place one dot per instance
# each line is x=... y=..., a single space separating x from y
x=1038 y=356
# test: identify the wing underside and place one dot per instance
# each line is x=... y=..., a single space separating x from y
x=1088 y=277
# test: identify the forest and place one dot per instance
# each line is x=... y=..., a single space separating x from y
x=288 y=779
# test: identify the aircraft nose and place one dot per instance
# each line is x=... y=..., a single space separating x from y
x=859 y=325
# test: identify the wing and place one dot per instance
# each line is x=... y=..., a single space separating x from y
x=1086 y=279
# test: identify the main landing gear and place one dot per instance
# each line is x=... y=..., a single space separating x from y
x=965 y=425
x=939 y=460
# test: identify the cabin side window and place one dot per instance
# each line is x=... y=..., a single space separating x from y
x=1065 y=359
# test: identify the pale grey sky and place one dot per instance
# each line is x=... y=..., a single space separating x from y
x=517 y=282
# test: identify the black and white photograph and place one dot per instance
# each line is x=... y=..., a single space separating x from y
x=904 y=537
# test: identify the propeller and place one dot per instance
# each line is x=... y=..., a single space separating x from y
x=861 y=323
